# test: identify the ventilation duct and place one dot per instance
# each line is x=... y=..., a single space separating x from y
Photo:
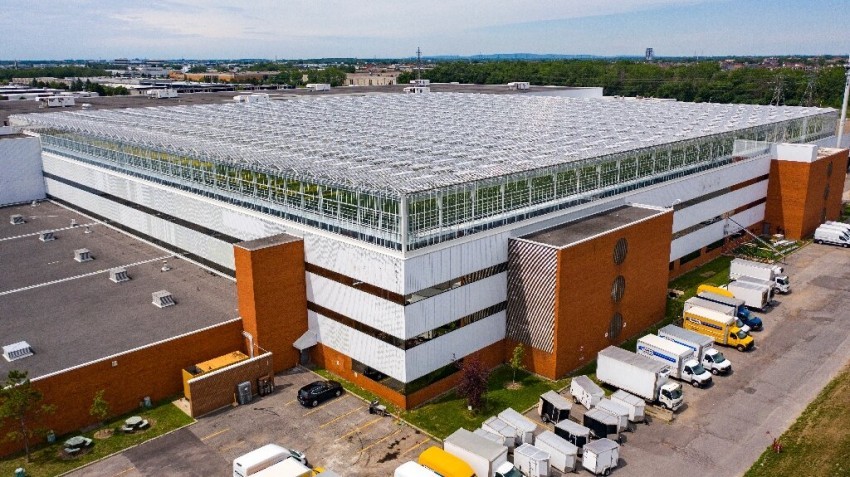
x=46 y=236
x=163 y=299
x=18 y=350
x=17 y=219
x=82 y=255
x=118 y=275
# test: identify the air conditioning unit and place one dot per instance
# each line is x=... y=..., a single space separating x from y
x=46 y=236
x=83 y=255
x=18 y=350
x=17 y=219
x=163 y=299
x=118 y=275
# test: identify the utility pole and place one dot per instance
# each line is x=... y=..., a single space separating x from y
x=419 y=71
x=844 y=104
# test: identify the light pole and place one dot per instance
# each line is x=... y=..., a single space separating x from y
x=844 y=104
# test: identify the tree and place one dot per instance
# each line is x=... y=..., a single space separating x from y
x=517 y=359
x=99 y=407
x=473 y=382
x=198 y=69
x=20 y=402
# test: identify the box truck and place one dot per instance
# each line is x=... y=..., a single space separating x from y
x=562 y=453
x=585 y=391
x=573 y=433
x=724 y=308
x=617 y=410
x=524 y=426
x=263 y=457
x=502 y=429
x=601 y=423
x=531 y=461
x=288 y=468
x=552 y=407
x=746 y=268
x=445 y=463
x=490 y=436
x=771 y=290
x=634 y=404
x=832 y=236
x=486 y=458
x=703 y=346
x=639 y=375
x=601 y=456
x=755 y=296
x=747 y=318
x=412 y=469
x=721 y=328
x=680 y=358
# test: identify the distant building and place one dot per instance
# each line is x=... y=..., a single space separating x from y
x=383 y=78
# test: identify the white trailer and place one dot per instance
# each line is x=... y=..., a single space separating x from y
x=585 y=391
x=490 y=436
x=263 y=457
x=288 y=468
x=739 y=268
x=680 y=358
x=638 y=375
x=502 y=429
x=519 y=85
x=524 y=426
x=635 y=405
x=486 y=458
x=562 y=453
x=703 y=347
x=754 y=295
x=161 y=93
x=552 y=407
x=315 y=87
x=531 y=461
x=412 y=469
x=573 y=432
x=601 y=456
x=758 y=281
x=617 y=410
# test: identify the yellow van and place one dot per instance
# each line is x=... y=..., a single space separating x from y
x=718 y=326
x=444 y=463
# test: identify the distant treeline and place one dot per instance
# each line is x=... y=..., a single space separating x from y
x=694 y=82
x=55 y=72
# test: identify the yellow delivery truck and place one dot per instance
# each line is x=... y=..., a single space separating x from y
x=718 y=326
x=444 y=463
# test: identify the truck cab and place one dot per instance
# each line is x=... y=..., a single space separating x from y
x=694 y=372
x=714 y=361
x=671 y=396
x=740 y=339
x=749 y=320
x=783 y=284
x=507 y=470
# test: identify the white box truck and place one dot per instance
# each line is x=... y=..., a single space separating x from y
x=635 y=405
x=703 y=346
x=832 y=236
x=288 y=468
x=639 y=375
x=601 y=456
x=486 y=458
x=531 y=461
x=490 y=436
x=617 y=410
x=585 y=391
x=562 y=453
x=524 y=426
x=266 y=456
x=745 y=318
x=412 y=469
x=747 y=268
x=758 y=281
x=680 y=358
x=755 y=296
x=718 y=306
x=502 y=429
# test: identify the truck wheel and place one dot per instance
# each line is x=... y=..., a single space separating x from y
x=606 y=472
x=741 y=348
x=545 y=419
x=314 y=403
x=845 y=245
x=818 y=241
x=714 y=371
x=695 y=384
x=575 y=400
x=667 y=406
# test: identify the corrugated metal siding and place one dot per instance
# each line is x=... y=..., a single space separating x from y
x=370 y=266
x=20 y=171
x=446 y=264
x=711 y=208
x=532 y=272
x=714 y=232
x=363 y=307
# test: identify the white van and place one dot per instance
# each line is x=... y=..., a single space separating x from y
x=264 y=457
x=832 y=236
x=412 y=469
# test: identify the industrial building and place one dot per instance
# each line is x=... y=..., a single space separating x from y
x=388 y=237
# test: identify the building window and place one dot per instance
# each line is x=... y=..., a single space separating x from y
x=620 y=250
x=618 y=288
x=615 y=326
x=691 y=256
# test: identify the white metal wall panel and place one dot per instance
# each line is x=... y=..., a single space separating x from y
x=711 y=208
x=202 y=245
x=435 y=354
x=696 y=185
x=370 y=266
x=449 y=306
x=21 y=179
x=452 y=262
x=363 y=307
x=371 y=351
x=714 y=232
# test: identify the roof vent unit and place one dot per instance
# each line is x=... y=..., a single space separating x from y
x=163 y=299
x=18 y=350
x=118 y=275
x=17 y=219
x=82 y=255
x=46 y=236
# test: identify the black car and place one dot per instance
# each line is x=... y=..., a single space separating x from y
x=314 y=393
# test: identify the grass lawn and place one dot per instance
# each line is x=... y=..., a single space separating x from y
x=818 y=443
x=48 y=460
x=446 y=414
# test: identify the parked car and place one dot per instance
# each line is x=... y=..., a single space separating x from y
x=314 y=393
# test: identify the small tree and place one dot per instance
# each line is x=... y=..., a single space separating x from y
x=473 y=382
x=518 y=360
x=20 y=402
x=99 y=407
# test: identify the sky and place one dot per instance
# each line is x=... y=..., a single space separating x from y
x=292 y=29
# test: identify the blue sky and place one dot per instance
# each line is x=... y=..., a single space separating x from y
x=50 y=29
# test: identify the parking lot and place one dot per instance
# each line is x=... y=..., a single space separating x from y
x=722 y=430
x=339 y=435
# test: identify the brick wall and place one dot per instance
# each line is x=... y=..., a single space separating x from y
x=153 y=371
x=217 y=389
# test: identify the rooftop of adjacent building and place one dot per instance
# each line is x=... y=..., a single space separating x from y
x=593 y=225
x=71 y=313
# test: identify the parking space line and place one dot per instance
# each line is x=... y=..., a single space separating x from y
x=364 y=426
x=341 y=416
x=319 y=408
x=128 y=469
x=379 y=441
x=290 y=402
x=416 y=445
x=218 y=433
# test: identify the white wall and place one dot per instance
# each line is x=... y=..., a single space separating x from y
x=711 y=208
x=376 y=312
x=20 y=170
x=384 y=270
x=714 y=232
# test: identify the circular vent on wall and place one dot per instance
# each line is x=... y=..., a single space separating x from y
x=615 y=326
x=618 y=288
x=620 y=250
